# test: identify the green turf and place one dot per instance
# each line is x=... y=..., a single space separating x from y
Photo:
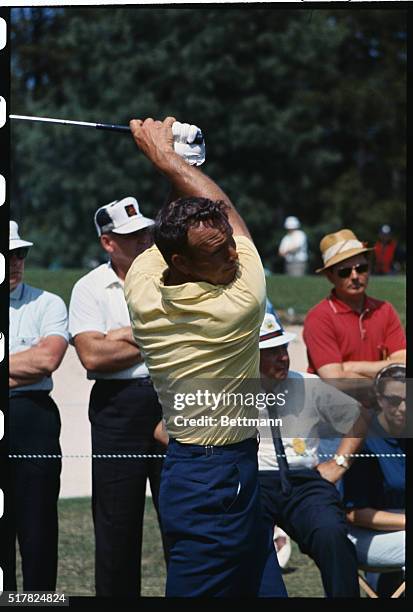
x=284 y=291
x=76 y=556
x=301 y=293
x=57 y=281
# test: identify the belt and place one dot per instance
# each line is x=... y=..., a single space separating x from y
x=210 y=449
x=28 y=393
x=139 y=382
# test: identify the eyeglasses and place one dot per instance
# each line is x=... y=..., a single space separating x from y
x=20 y=253
x=394 y=400
x=345 y=272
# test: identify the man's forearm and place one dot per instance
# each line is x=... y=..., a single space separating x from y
x=370 y=518
x=156 y=142
x=364 y=369
x=108 y=355
x=30 y=365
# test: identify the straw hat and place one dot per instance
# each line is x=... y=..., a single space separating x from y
x=340 y=246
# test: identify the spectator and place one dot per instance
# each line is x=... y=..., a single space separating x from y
x=124 y=408
x=38 y=341
x=350 y=335
x=309 y=510
x=293 y=248
x=374 y=487
x=196 y=302
x=385 y=251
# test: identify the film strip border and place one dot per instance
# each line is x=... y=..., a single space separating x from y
x=4 y=293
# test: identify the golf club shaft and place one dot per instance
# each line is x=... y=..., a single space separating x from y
x=98 y=126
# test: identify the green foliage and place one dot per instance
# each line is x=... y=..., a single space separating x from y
x=303 y=111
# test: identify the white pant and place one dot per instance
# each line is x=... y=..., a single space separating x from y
x=379 y=548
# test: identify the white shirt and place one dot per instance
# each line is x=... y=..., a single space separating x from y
x=98 y=304
x=311 y=406
x=297 y=241
x=35 y=314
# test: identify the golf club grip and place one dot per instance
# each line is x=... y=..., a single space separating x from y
x=199 y=138
x=112 y=127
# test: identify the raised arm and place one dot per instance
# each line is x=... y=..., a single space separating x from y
x=155 y=140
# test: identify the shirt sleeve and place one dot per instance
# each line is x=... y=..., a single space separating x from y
x=395 y=336
x=320 y=339
x=252 y=277
x=336 y=408
x=54 y=319
x=84 y=312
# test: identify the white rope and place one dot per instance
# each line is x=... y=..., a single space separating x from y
x=150 y=456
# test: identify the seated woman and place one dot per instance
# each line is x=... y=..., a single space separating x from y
x=374 y=487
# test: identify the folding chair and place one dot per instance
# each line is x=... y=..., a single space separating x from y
x=364 y=585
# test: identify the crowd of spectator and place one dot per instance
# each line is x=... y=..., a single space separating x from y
x=184 y=299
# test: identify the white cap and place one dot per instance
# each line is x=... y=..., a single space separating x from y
x=385 y=229
x=121 y=217
x=15 y=242
x=291 y=223
x=272 y=332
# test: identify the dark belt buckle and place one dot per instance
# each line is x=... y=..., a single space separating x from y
x=209 y=450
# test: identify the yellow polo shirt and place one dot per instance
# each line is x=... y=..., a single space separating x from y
x=198 y=336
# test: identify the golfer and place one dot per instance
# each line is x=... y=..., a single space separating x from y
x=196 y=301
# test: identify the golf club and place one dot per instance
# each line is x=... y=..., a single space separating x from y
x=199 y=138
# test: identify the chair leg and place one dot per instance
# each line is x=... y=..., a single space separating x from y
x=367 y=588
x=399 y=591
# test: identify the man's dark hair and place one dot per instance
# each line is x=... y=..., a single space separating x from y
x=175 y=218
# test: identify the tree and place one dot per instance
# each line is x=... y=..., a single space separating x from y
x=283 y=96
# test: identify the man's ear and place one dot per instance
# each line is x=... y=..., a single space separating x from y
x=329 y=275
x=181 y=263
x=106 y=243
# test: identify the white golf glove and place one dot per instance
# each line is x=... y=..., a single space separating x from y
x=184 y=137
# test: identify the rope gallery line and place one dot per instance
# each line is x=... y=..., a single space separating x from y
x=162 y=456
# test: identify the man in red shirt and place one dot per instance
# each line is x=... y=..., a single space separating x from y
x=384 y=251
x=350 y=335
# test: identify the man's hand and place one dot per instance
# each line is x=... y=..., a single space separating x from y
x=154 y=138
x=160 y=434
x=122 y=333
x=330 y=471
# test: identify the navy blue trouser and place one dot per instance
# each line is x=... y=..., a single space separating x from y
x=313 y=516
x=123 y=414
x=34 y=429
x=211 y=514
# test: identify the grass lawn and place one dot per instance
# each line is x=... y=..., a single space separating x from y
x=303 y=293
x=284 y=291
x=76 y=556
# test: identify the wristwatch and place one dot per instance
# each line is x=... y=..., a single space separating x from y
x=341 y=461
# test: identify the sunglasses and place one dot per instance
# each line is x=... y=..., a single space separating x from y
x=394 y=400
x=345 y=272
x=20 y=253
